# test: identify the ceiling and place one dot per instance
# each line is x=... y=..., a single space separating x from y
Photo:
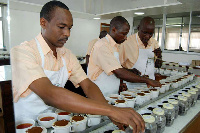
x=107 y=9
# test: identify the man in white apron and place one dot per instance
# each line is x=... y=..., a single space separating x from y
x=91 y=44
x=104 y=68
x=138 y=50
x=41 y=67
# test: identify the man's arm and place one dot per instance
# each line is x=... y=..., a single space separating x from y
x=122 y=73
x=66 y=100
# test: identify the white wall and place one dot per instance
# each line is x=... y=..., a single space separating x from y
x=25 y=26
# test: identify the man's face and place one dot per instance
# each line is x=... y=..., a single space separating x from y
x=145 y=32
x=121 y=34
x=57 y=31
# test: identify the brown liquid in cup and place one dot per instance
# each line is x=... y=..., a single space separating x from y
x=146 y=114
x=120 y=101
x=25 y=125
x=146 y=91
x=34 y=130
x=77 y=118
x=61 y=123
x=165 y=102
x=126 y=94
x=114 y=97
x=48 y=118
x=64 y=113
x=129 y=97
x=150 y=108
x=153 y=89
x=141 y=94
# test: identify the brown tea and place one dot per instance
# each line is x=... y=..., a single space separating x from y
x=34 y=130
x=48 y=118
x=129 y=97
x=126 y=94
x=25 y=125
x=77 y=118
x=141 y=94
x=153 y=89
x=120 y=101
x=114 y=97
x=64 y=113
x=61 y=123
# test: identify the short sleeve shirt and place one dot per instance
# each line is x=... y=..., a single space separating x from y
x=102 y=58
x=27 y=65
x=90 y=46
x=129 y=50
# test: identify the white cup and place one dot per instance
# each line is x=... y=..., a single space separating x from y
x=130 y=101
x=78 y=126
x=121 y=103
x=21 y=123
x=140 y=99
x=47 y=124
x=63 y=115
x=93 y=120
x=62 y=129
x=154 y=93
x=44 y=130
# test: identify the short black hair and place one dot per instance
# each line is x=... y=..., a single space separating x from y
x=49 y=7
x=102 y=34
x=118 y=22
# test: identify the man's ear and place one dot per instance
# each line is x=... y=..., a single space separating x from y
x=114 y=29
x=43 y=23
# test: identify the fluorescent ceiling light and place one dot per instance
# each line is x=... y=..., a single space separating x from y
x=96 y=18
x=139 y=13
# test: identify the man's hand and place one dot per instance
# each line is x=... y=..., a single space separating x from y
x=153 y=83
x=135 y=71
x=158 y=63
x=122 y=87
x=158 y=52
x=128 y=116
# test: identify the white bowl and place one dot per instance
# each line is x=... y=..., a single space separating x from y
x=30 y=122
x=63 y=116
x=47 y=124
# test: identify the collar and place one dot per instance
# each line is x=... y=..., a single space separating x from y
x=45 y=47
x=111 y=41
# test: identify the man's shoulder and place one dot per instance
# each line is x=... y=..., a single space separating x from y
x=26 y=45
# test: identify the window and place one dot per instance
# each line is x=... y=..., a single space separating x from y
x=1 y=29
x=194 y=45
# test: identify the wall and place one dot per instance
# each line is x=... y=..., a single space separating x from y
x=25 y=26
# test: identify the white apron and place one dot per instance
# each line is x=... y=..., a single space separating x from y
x=144 y=63
x=32 y=105
x=108 y=84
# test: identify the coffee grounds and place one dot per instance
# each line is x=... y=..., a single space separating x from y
x=77 y=118
x=34 y=130
x=61 y=123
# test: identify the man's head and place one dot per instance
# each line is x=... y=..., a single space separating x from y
x=103 y=34
x=146 y=29
x=119 y=28
x=56 y=22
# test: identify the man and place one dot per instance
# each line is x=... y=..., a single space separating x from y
x=91 y=44
x=42 y=66
x=104 y=68
x=139 y=49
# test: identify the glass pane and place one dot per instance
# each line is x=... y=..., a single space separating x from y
x=195 y=34
x=0 y=12
x=1 y=35
x=158 y=35
x=172 y=36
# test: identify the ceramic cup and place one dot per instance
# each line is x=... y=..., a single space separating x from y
x=47 y=119
x=93 y=119
x=78 y=123
x=24 y=124
x=61 y=126
x=63 y=115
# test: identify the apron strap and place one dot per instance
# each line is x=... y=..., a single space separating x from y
x=40 y=51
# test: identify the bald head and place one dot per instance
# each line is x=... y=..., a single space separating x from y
x=146 y=29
